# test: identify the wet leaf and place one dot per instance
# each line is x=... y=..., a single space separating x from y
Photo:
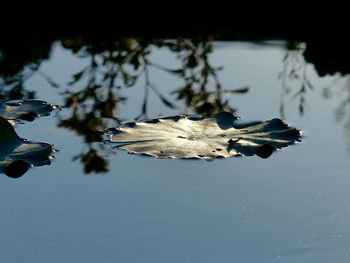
x=25 y=109
x=221 y=135
x=17 y=154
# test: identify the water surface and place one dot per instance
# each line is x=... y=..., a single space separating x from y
x=291 y=207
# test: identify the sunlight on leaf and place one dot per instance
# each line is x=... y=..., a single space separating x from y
x=17 y=154
x=25 y=109
x=207 y=138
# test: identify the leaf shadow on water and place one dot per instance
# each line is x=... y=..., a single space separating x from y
x=206 y=137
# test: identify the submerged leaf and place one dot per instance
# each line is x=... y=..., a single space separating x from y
x=25 y=109
x=17 y=154
x=203 y=137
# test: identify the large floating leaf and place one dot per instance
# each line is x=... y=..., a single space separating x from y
x=17 y=154
x=203 y=137
x=25 y=109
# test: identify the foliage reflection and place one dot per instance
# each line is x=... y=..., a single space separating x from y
x=118 y=63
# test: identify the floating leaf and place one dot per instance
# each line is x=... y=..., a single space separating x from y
x=17 y=154
x=25 y=109
x=207 y=138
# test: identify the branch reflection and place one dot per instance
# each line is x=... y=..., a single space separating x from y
x=20 y=59
x=294 y=71
x=119 y=63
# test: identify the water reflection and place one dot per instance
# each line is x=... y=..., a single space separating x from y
x=342 y=112
x=330 y=59
x=294 y=70
x=20 y=59
x=118 y=63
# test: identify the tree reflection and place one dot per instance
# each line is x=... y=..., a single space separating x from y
x=328 y=60
x=118 y=64
x=202 y=92
x=294 y=71
x=20 y=59
x=343 y=110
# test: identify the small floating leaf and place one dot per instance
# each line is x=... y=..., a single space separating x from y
x=25 y=109
x=17 y=154
x=203 y=138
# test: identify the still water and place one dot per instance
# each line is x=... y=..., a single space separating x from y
x=291 y=207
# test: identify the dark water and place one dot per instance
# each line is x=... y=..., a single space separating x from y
x=291 y=207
